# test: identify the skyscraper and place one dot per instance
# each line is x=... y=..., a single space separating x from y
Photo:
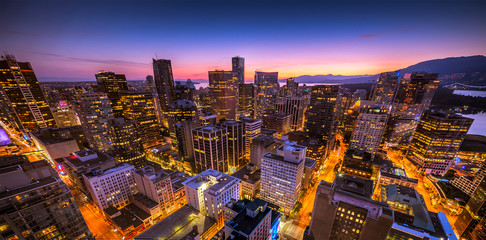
x=436 y=141
x=164 y=82
x=238 y=68
x=182 y=117
x=223 y=89
x=369 y=128
x=471 y=222
x=110 y=83
x=23 y=101
x=236 y=142
x=153 y=89
x=246 y=99
x=210 y=148
x=127 y=142
x=140 y=106
x=279 y=122
x=281 y=177
x=321 y=115
x=385 y=88
x=36 y=203
x=253 y=128
x=295 y=106
x=95 y=112
x=292 y=86
x=266 y=90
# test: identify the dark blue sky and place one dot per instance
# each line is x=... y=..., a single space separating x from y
x=73 y=40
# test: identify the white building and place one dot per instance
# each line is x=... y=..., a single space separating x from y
x=210 y=191
x=369 y=128
x=281 y=177
x=113 y=186
x=253 y=128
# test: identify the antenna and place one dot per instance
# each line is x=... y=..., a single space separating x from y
x=156 y=56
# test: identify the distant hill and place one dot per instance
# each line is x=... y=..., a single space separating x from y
x=336 y=79
x=447 y=66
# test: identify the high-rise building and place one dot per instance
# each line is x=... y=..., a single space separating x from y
x=184 y=91
x=140 y=106
x=281 y=177
x=164 y=82
x=294 y=105
x=471 y=222
x=344 y=210
x=23 y=102
x=95 y=112
x=320 y=115
x=111 y=187
x=369 y=128
x=253 y=128
x=436 y=141
x=223 y=89
x=238 y=68
x=153 y=89
x=292 y=87
x=279 y=122
x=127 y=142
x=111 y=83
x=259 y=146
x=182 y=117
x=266 y=91
x=210 y=191
x=236 y=143
x=36 y=203
x=246 y=99
x=467 y=184
x=414 y=95
x=385 y=88
x=210 y=148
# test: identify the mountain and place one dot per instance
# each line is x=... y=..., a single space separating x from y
x=447 y=66
x=336 y=79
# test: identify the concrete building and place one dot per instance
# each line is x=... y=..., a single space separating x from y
x=236 y=143
x=210 y=148
x=344 y=210
x=65 y=116
x=112 y=187
x=208 y=118
x=253 y=128
x=394 y=175
x=54 y=142
x=85 y=161
x=259 y=146
x=255 y=221
x=281 y=177
x=295 y=106
x=210 y=191
x=36 y=204
x=436 y=141
x=266 y=90
x=469 y=185
x=369 y=128
x=309 y=170
x=250 y=181
x=357 y=163
x=470 y=223
x=279 y=122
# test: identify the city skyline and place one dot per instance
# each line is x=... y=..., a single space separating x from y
x=72 y=41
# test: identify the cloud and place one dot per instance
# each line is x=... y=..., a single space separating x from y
x=94 y=60
x=369 y=35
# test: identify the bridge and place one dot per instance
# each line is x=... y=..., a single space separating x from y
x=463 y=86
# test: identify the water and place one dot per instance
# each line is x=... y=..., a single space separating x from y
x=472 y=93
x=206 y=84
x=479 y=124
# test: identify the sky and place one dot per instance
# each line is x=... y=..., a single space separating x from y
x=73 y=40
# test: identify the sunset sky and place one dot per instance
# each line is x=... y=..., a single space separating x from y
x=72 y=41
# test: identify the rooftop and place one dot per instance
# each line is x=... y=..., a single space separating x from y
x=355 y=185
x=244 y=223
x=211 y=181
x=87 y=158
x=473 y=143
x=208 y=129
x=178 y=224
x=248 y=173
x=109 y=171
x=310 y=163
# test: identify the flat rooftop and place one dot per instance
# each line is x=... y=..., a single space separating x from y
x=110 y=170
x=208 y=129
x=75 y=161
x=473 y=143
x=177 y=225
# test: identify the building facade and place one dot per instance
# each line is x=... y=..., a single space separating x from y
x=238 y=68
x=111 y=83
x=127 y=142
x=164 y=82
x=236 y=143
x=210 y=148
x=266 y=90
x=223 y=89
x=369 y=129
x=295 y=106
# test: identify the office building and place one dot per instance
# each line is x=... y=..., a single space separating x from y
x=281 y=177
x=36 y=203
x=84 y=161
x=357 y=163
x=398 y=176
x=236 y=143
x=384 y=89
x=266 y=90
x=208 y=118
x=182 y=117
x=436 y=141
x=320 y=115
x=210 y=191
x=292 y=87
x=95 y=112
x=149 y=80
x=471 y=222
x=259 y=146
x=369 y=128
x=139 y=106
x=253 y=128
x=164 y=82
x=127 y=142
x=469 y=185
x=295 y=106
x=64 y=116
x=184 y=90
x=250 y=181
x=344 y=210
x=111 y=187
x=23 y=102
x=246 y=99
x=111 y=83
x=210 y=148
x=414 y=95
x=223 y=88
x=255 y=221
x=279 y=122
x=238 y=68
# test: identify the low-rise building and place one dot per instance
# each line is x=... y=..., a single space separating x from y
x=394 y=175
x=357 y=163
x=54 y=143
x=259 y=146
x=250 y=181
x=309 y=170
